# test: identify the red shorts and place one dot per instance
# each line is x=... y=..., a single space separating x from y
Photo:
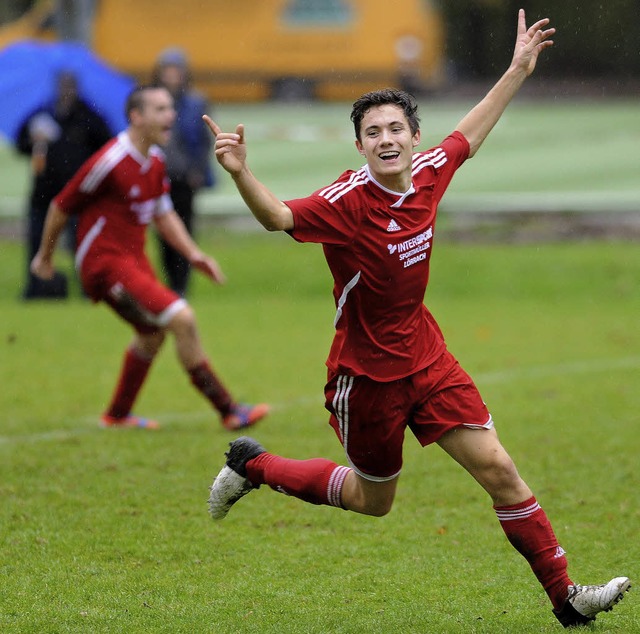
x=370 y=417
x=129 y=285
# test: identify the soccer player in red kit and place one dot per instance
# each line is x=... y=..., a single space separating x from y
x=116 y=194
x=389 y=368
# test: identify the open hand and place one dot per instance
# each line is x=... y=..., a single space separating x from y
x=530 y=43
x=209 y=267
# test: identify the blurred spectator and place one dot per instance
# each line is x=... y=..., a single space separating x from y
x=59 y=139
x=187 y=155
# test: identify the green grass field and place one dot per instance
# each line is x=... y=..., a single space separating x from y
x=107 y=531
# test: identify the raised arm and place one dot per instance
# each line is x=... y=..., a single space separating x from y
x=530 y=42
x=231 y=151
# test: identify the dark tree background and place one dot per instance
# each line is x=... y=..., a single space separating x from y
x=594 y=37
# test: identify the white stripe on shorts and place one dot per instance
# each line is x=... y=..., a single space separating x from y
x=487 y=425
x=341 y=406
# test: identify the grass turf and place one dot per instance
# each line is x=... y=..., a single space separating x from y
x=107 y=531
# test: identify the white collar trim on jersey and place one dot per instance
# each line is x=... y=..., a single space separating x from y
x=145 y=161
x=401 y=197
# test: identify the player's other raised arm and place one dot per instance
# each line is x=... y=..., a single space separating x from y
x=231 y=152
x=530 y=42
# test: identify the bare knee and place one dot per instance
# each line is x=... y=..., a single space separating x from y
x=148 y=344
x=377 y=508
x=367 y=497
x=482 y=455
x=501 y=480
x=183 y=322
x=500 y=472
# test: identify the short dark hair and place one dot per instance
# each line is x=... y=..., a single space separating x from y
x=135 y=100
x=393 y=96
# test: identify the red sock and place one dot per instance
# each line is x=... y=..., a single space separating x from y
x=132 y=375
x=318 y=481
x=530 y=533
x=206 y=381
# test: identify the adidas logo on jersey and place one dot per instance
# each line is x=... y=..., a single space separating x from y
x=393 y=225
x=134 y=192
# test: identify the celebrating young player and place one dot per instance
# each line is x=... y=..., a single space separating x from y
x=388 y=368
x=117 y=193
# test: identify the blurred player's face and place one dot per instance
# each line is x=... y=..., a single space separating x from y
x=387 y=143
x=157 y=116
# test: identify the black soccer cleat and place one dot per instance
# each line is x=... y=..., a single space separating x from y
x=232 y=483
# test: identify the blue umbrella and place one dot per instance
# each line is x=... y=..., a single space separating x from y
x=28 y=72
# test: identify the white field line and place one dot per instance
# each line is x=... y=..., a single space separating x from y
x=481 y=378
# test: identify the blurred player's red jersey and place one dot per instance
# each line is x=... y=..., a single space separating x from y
x=378 y=245
x=116 y=193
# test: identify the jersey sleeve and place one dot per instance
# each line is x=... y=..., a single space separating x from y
x=82 y=187
x=456 y=150
x=325 y=217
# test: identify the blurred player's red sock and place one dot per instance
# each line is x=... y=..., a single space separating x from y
x=530 y=533
x=206 y=381
x=135 y=367
x=318 y=481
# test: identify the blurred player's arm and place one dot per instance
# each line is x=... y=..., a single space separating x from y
x=42 y=263
x=173 y=231
x=477 y=124
x=231 y=152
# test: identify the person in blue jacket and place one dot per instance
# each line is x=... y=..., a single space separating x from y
x=187 y=155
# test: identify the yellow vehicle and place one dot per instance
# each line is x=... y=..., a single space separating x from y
x=255 y=49
x=248 y=50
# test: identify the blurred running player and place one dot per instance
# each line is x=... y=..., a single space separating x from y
x=116 y=194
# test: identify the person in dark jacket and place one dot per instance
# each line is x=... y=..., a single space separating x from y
x=187 y=155
x=59 y=138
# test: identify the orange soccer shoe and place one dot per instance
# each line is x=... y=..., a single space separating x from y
x=243 y=415
x=128 y=421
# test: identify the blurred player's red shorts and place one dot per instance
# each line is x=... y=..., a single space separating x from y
x=130 y=286
x=370 y=417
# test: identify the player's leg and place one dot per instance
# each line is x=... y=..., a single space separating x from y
x=479 y=451
x=322 y=481
x=131 y=290
x=456 y=412
x=138 y=357
x=369 y=418
x=317 y=481
x=135 y=367
x=521 y=517
x=527 y=527
x=454 y=415
x=367 y=497
x=196 y=363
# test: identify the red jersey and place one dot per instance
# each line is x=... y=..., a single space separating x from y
x=377 y=244
x=116 y=193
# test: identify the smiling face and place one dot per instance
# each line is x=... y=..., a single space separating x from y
x=386 y=141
